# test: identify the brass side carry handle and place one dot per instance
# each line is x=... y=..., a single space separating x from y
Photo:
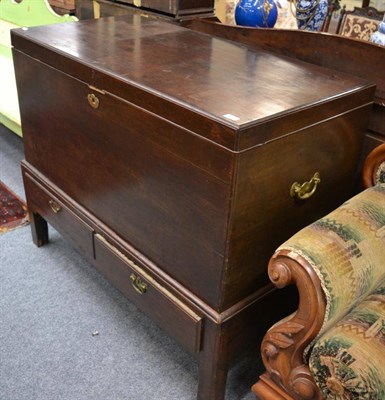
x=93 y=100
x=138 y=284
x=307 y=189
x=55 y=207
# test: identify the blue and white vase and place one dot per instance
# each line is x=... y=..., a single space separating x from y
x=311 y=14
x=256 y=13
x=379 y=36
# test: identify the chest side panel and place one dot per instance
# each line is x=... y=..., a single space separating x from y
x=265 y=214
x=155 y=184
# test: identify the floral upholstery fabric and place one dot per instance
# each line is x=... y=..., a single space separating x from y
x=347 y=362
x=347 y=251
x=380 y=175
x=357 y=27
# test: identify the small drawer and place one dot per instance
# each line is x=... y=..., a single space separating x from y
x=41 y=201
x=170 y=313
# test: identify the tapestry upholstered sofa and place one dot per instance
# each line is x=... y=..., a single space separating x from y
x=333 y=346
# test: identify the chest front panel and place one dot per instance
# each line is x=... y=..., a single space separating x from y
x=122 y=164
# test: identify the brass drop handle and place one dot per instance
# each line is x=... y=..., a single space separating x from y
x=55 y=207
x=138 y=284
x=93 y=100
x=307 y=189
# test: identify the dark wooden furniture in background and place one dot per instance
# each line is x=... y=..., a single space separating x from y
x=287 y=375
x=176 y=8
x=366 y=3
x=356 y=57
x=171 y=10
x=62 y=7
x=333 y=6
x=174 y=173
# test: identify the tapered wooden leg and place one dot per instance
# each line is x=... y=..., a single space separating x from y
x=213 y=365
x=39 y=229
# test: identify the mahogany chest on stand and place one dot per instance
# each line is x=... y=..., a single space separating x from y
x=177 y=162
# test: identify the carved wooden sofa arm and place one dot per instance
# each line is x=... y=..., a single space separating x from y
x=326 y=262
x=374 y=167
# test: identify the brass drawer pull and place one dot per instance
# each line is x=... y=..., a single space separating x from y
x=93 y=100
x=55 y=207
x=307 y=189
x=138 y=284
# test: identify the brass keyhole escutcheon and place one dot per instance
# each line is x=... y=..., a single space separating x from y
x=55 y=207
x=93 y=100
x=138 y=284
x=305 y=190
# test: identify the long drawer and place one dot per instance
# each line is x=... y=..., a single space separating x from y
x=171 y=314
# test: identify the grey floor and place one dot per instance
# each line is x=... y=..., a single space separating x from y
x=51 y=303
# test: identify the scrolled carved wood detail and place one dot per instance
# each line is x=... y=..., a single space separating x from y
x=370 y=12
x=284 y=344
x=303 y=384
x=280 y=274
x=281 y=338
x=372 y=164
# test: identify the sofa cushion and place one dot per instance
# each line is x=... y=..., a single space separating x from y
x=348 y=361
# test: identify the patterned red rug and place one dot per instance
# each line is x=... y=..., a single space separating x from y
x=13 y=211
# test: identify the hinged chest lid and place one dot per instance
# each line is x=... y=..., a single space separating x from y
x=229 y=93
